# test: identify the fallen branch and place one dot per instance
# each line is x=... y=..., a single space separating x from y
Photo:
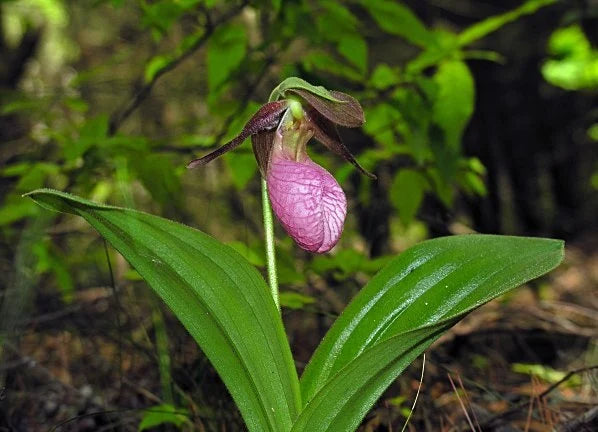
x=489 y=421
x=587 y=421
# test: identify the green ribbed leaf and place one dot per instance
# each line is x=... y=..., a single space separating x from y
x=402 y=310
x=219 y=297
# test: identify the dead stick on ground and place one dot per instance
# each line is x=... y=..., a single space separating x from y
x=523 y=404
x=577 y=424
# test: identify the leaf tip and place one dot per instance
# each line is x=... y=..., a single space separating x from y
x=194 y=163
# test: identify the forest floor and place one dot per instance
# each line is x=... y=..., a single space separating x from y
x=527 y=362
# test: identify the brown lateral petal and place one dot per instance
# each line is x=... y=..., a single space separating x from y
x=325 y=131
x=348 y=114
x=262 y=148
x=266 y=118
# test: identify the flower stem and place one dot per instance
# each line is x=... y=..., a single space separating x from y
x=270 y=252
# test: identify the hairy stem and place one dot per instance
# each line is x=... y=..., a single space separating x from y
x=270 y=252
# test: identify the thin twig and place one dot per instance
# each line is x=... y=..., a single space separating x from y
x=461 y=403
x=468 y=402
x=530 y=410
x=580 y=422
x=523 y=404
x=119 y=116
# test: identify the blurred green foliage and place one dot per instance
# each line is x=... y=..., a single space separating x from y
x=114 y=97
x=574 y=63
x=93 y=127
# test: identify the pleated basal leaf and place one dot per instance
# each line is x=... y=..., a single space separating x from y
x=402 y=310
x=218 y=296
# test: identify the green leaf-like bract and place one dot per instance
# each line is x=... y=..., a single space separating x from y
x=298 y=83
x=219 y=297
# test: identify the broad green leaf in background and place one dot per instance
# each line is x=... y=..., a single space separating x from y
x=255 y=256
x=489 y=25
x=355 y=50
x=242 y=168
x=321 y=60
x=220 y=298
x=402 y=310
x=162 y=14
x=384 y=76
x=398 y=19
x=407 y=192
x=50 y=260
x=382 y=121
x=226 y=50
x=92 y=133
x=447 y=45
x=158 y=176
x=333 y=20
x=13 y=209
x=454 y=101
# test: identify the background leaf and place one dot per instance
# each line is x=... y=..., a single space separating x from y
x=407 y=192
x=242 y=167
x=355 y=50
x=455 y=99
x=398 y=19
x=226 y=50
x=489 y=25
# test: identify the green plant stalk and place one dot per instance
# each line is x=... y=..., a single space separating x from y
x=270 y=251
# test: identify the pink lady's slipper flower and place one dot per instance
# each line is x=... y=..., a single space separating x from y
x=306 y=199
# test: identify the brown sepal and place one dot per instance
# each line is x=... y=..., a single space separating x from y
x=348 y=113
x=265 y=119
x=262 y=148
x=325 y=131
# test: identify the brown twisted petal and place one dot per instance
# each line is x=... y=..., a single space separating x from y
x=326 y=132
x=348 y=113
x=265 y=119
x=262 y=144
